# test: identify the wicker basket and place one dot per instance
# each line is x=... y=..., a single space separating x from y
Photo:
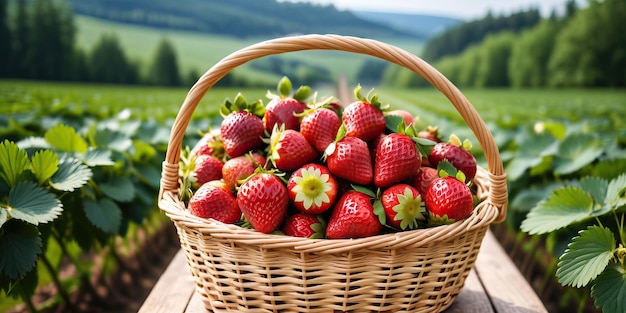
x=241 y=270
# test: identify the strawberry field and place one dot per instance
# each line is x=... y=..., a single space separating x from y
x=560 y=148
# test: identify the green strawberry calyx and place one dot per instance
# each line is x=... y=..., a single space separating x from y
x=445 y=169
x=465 y=145
x=409 y=210
x=241 y=104
x=371 y=98
x=341 y=133
x=285 y=89
x=319 y=229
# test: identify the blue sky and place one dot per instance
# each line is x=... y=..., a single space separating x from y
x=465 y=9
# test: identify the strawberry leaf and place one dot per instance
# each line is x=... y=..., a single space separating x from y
x=565 y=206
x=586 y=256
x=616 y=192
x=4 y=216
x=64 y=138
x=44 y=164
x=119 y=189
x=103 y=214
x=72 y=174
x=445 y=168
x=363 y=190
x=99 y=157
x=112 y=139
x=13 y=162
x=609 y=289
x=20 y=246
x=577 y=151
x=379 y=210
x=33 y=204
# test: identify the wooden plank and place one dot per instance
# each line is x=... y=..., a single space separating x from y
x=472 y=298
x=173 y=290
x=508 y=290
x=196 y=304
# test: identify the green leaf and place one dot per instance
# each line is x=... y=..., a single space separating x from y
x=13 y=162
x=119 y=188
x=72 y=174
x=586 y=256
x=4 y=216
x=596 y=187
x=364 y=190
x=44 y=164
x=98 y=157
x=104 y=214
x=284 y=86
x=392 y=122
x=33 y=143
x=565 y=206
x=379 y=210
x=64 y=138
x=20 y=246
x=609 y=169
x=609 y=290
x=33 y=204
x=556 y=129
x=615 y=194
x=112 y=139
x=302 y=93
x=577 y=151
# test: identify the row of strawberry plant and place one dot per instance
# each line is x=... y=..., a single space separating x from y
x=72 y=176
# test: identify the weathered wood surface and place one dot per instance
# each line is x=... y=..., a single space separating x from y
x=494 y=285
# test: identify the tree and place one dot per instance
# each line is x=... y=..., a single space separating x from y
x=108 y=62
x=530 y=55
x=164 y=70
x=5 y=40
x=494 y=56
x=20 y=41
x=591 y=48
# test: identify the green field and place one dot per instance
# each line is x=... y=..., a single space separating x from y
x=200 y=51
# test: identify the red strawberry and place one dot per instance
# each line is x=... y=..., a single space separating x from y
x=212 y=201
x=210 y=144
x=457 y=154
x=289 y=150
x=406 y=115
x=207 y=168
x=431 y=133
x=397 y=159
x=353 y=216
x=312 y=188
x=241 y=129
x=425 y=176
x=304 y=225
x=403 y=206
x=364 y=118
x=448 y=197
x=349 y=159
x=263 y=201
x=240 y=167
x=320 y=127
x=284 y=108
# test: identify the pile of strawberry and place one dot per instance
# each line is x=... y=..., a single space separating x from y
x=319 y=170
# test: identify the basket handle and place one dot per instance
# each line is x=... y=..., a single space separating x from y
x=498 y=194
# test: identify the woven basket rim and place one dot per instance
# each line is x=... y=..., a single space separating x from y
x=495 y=198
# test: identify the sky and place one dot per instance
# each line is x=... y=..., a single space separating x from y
x=464 y=9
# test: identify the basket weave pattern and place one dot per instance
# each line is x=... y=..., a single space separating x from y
x=239 y=270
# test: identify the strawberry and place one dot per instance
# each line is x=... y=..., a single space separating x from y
x=320 y=127
x=364 y=118
x=284 y=108
x=263 y=200
x=212 y=201
x=210 y=144
x=397 y=159
x=425 y=176
x=403 y=206
x=289 y=150
x=448 y=198
x=457 y=154
x=431 y=133
x=352 y=217
x=312 y=188
x=304 y=225
x=239 y=168
x=242 y=129
x=207 y=168
x=349 y=158
x=406 y=115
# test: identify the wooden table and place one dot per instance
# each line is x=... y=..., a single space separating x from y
x=494 y=285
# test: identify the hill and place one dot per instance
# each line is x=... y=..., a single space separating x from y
x=420 y=25
x=239 y=18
